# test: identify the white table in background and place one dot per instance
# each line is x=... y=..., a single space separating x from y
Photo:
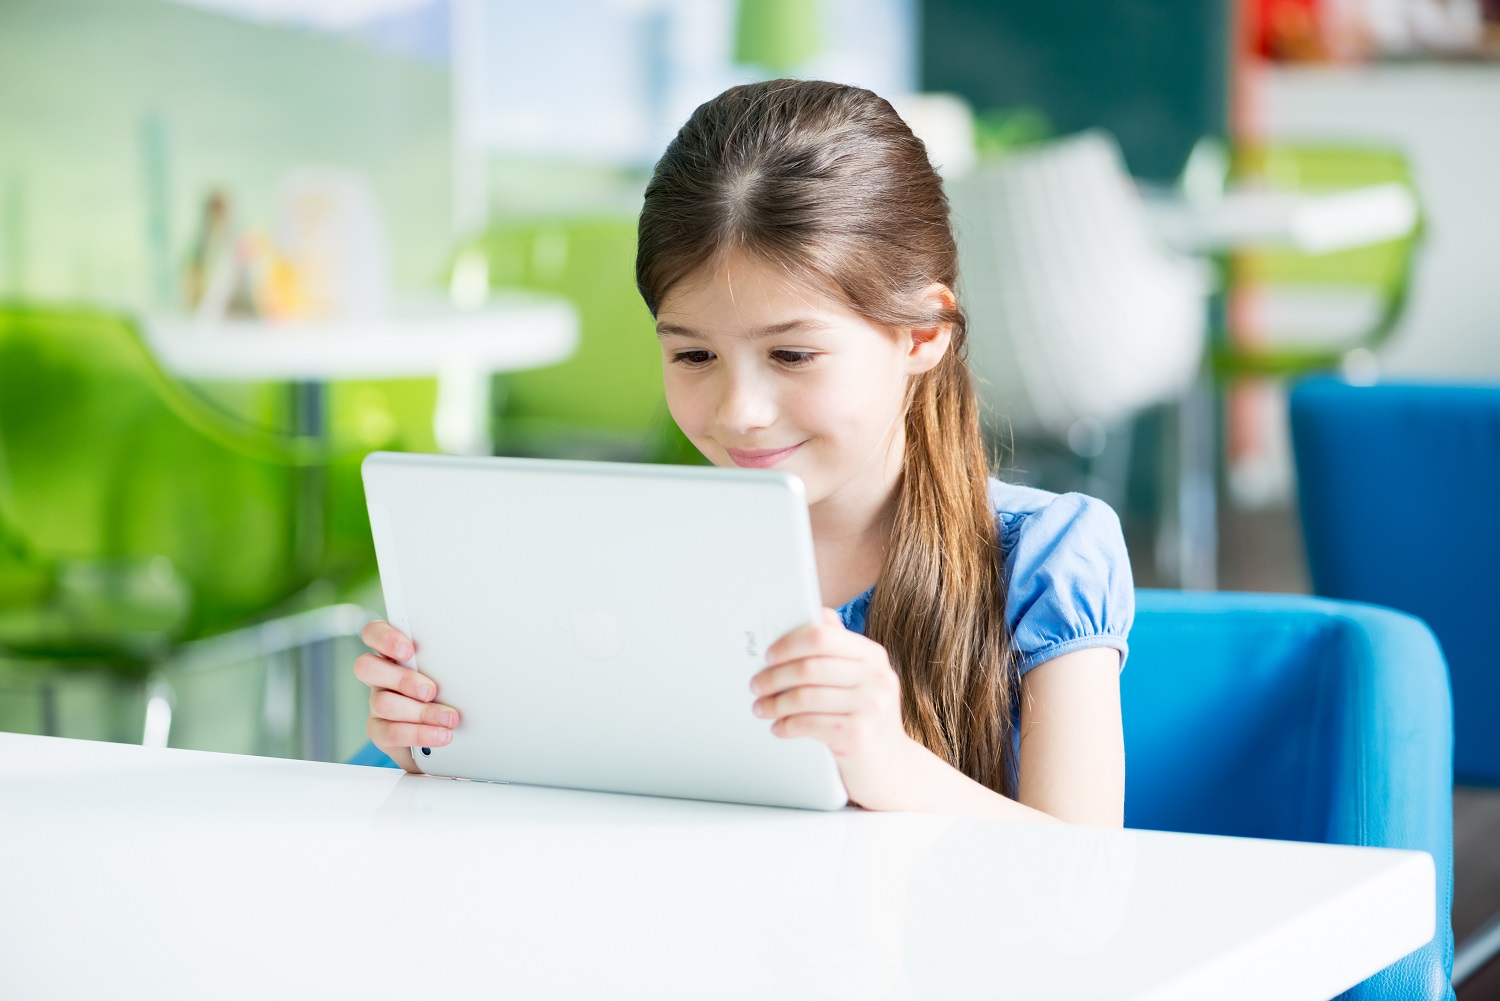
x=1310 y=223
x=131 y=872
x=462 y=348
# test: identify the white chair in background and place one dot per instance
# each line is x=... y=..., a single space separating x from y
x=1080 y=318
x=1078 y=312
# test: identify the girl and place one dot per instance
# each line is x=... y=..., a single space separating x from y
x=795 y=250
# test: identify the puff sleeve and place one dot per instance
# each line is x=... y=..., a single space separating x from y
x=1067 y=574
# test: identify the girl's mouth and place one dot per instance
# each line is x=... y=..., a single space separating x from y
x=760 y=458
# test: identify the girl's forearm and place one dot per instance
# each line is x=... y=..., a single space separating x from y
x=927 y=784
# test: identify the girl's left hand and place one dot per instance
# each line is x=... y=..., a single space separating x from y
x=837 y=686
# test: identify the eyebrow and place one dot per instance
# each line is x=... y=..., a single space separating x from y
x=671 y=329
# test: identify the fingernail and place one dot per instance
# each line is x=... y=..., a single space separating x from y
x=758 y=709
x=426 y=692
x=448 y=719
x=755 y=686
x=403 y=651
x=445 y=736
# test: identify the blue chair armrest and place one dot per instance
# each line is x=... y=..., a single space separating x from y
x=1401 y=729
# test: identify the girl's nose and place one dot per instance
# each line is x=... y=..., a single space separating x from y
x=745 y=404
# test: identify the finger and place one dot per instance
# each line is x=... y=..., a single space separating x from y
x=807 y=699
x=393 y=734
x=386 y=639
x=823 y=638
x=830 y=728
x=377 y=672
x=808 y=671
x=398 y=708
x=402 y=756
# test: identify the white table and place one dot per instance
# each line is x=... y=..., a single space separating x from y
x=1310 y=223
x=131 y=872
x=462 y=348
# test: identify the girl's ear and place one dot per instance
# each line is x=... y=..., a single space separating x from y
x=926 y=346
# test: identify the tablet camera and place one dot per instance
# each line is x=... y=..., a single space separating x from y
x=426 y=750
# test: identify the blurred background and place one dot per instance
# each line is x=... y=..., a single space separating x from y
x=243 y=243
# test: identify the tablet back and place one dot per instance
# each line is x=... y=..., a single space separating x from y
x=597 y=624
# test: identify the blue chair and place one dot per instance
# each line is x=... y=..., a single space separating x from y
x=1300 y=719
x=1397 y=486
x=1289 y=717
x=372 y=756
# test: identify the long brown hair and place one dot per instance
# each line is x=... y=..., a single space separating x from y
x=826 y=180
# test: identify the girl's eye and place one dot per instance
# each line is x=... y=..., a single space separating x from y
x=692 y=359
x=793 y=359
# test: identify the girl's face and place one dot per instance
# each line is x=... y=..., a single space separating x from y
x=762 y=373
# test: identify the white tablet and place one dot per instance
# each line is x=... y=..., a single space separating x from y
x=596 y=624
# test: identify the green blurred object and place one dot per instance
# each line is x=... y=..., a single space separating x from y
x=1382 y=271
x=135 y=516
x=998 y=131
x=777 y=35
x=606 y=401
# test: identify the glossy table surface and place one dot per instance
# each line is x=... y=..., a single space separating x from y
x=143 y=872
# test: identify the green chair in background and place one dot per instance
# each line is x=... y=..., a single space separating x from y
x=606 y=401
x=361 y=415
x=1380 y=274
x=136 y=518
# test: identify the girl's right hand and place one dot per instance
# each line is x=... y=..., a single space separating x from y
x=403 y=714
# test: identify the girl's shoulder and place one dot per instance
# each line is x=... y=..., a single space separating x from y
x=1041 y=516
x=1067 y=573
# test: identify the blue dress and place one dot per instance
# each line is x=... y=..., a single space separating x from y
x=1067 y=576
x=1067 y=579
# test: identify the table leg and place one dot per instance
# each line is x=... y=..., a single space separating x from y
x=310 y=418
x=461 y=419
x=317 y=701
x=1187 y=536
x=1199 y=505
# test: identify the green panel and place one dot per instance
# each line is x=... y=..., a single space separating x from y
x=611 y=388
x=778 y=35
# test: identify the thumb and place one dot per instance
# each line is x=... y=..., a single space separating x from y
x=832 y=617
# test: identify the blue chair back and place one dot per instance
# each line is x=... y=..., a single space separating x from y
x=1300 y=719
x=1397 y=486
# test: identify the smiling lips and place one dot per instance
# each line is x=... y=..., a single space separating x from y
x=760 y=458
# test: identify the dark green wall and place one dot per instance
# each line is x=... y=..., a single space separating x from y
x=1153 y=72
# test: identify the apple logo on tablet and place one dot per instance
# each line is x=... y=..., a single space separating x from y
x=596 y=635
